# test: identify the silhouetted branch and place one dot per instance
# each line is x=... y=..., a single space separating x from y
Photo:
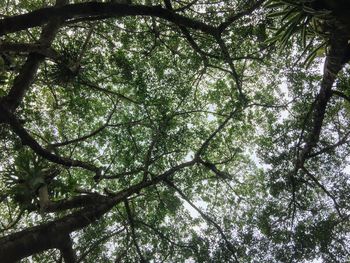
x=206 y=218
x=314 y=179
x=133 y=235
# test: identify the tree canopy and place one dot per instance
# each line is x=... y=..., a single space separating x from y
x=174 y=131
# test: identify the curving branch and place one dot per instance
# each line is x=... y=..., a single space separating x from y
x=187 y=6
x=228 y=59
x=13 y=223
x=41 y=16
x=87 y=136
x=28 y=48
x=341 y=94
x=342 y=141
x=9 y=118
x=190 y=39
x=119 y=175
x=233 y=18
x=110 y=92
x=162 y=235
x=49 y=235
x=212 y=167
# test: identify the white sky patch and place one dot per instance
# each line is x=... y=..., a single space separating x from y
x=319 y=260
x=321 y=66
x=189 y=156
x=212 y=108
x=191 y=210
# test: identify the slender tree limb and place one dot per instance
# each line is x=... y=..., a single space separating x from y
x=233 y=18
x=119 y=175
x=106 y=91
x=189 y=38
x=229 y=245
x=227 y=57
x=214 y=169
x=85 y=45
x=148 y=156
x=97 y=243
x=324 y=189
x=341 y=94
x=9 y=118
x=13 y=223
x=161 y=235
x=133 y=234
x=183 y=8
x=342 y=141
x=87 y=136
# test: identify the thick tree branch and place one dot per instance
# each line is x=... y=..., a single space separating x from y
x=28 y=48
x=67 y=250
x=41 y=16
x=206 y=143
x=40 y=238
x=50 y=235
x=23 y=81
x=27 y=73
x=79 y=201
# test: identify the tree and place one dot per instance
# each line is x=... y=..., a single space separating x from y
x=173 y=131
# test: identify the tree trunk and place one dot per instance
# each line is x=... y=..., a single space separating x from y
x=335 y=60
x=50 y=235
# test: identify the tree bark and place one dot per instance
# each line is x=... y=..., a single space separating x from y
x=51 y=235
x=41 y=16
x=333 y=65
x=28 y=71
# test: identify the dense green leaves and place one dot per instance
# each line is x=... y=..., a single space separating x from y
x=212 y=145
